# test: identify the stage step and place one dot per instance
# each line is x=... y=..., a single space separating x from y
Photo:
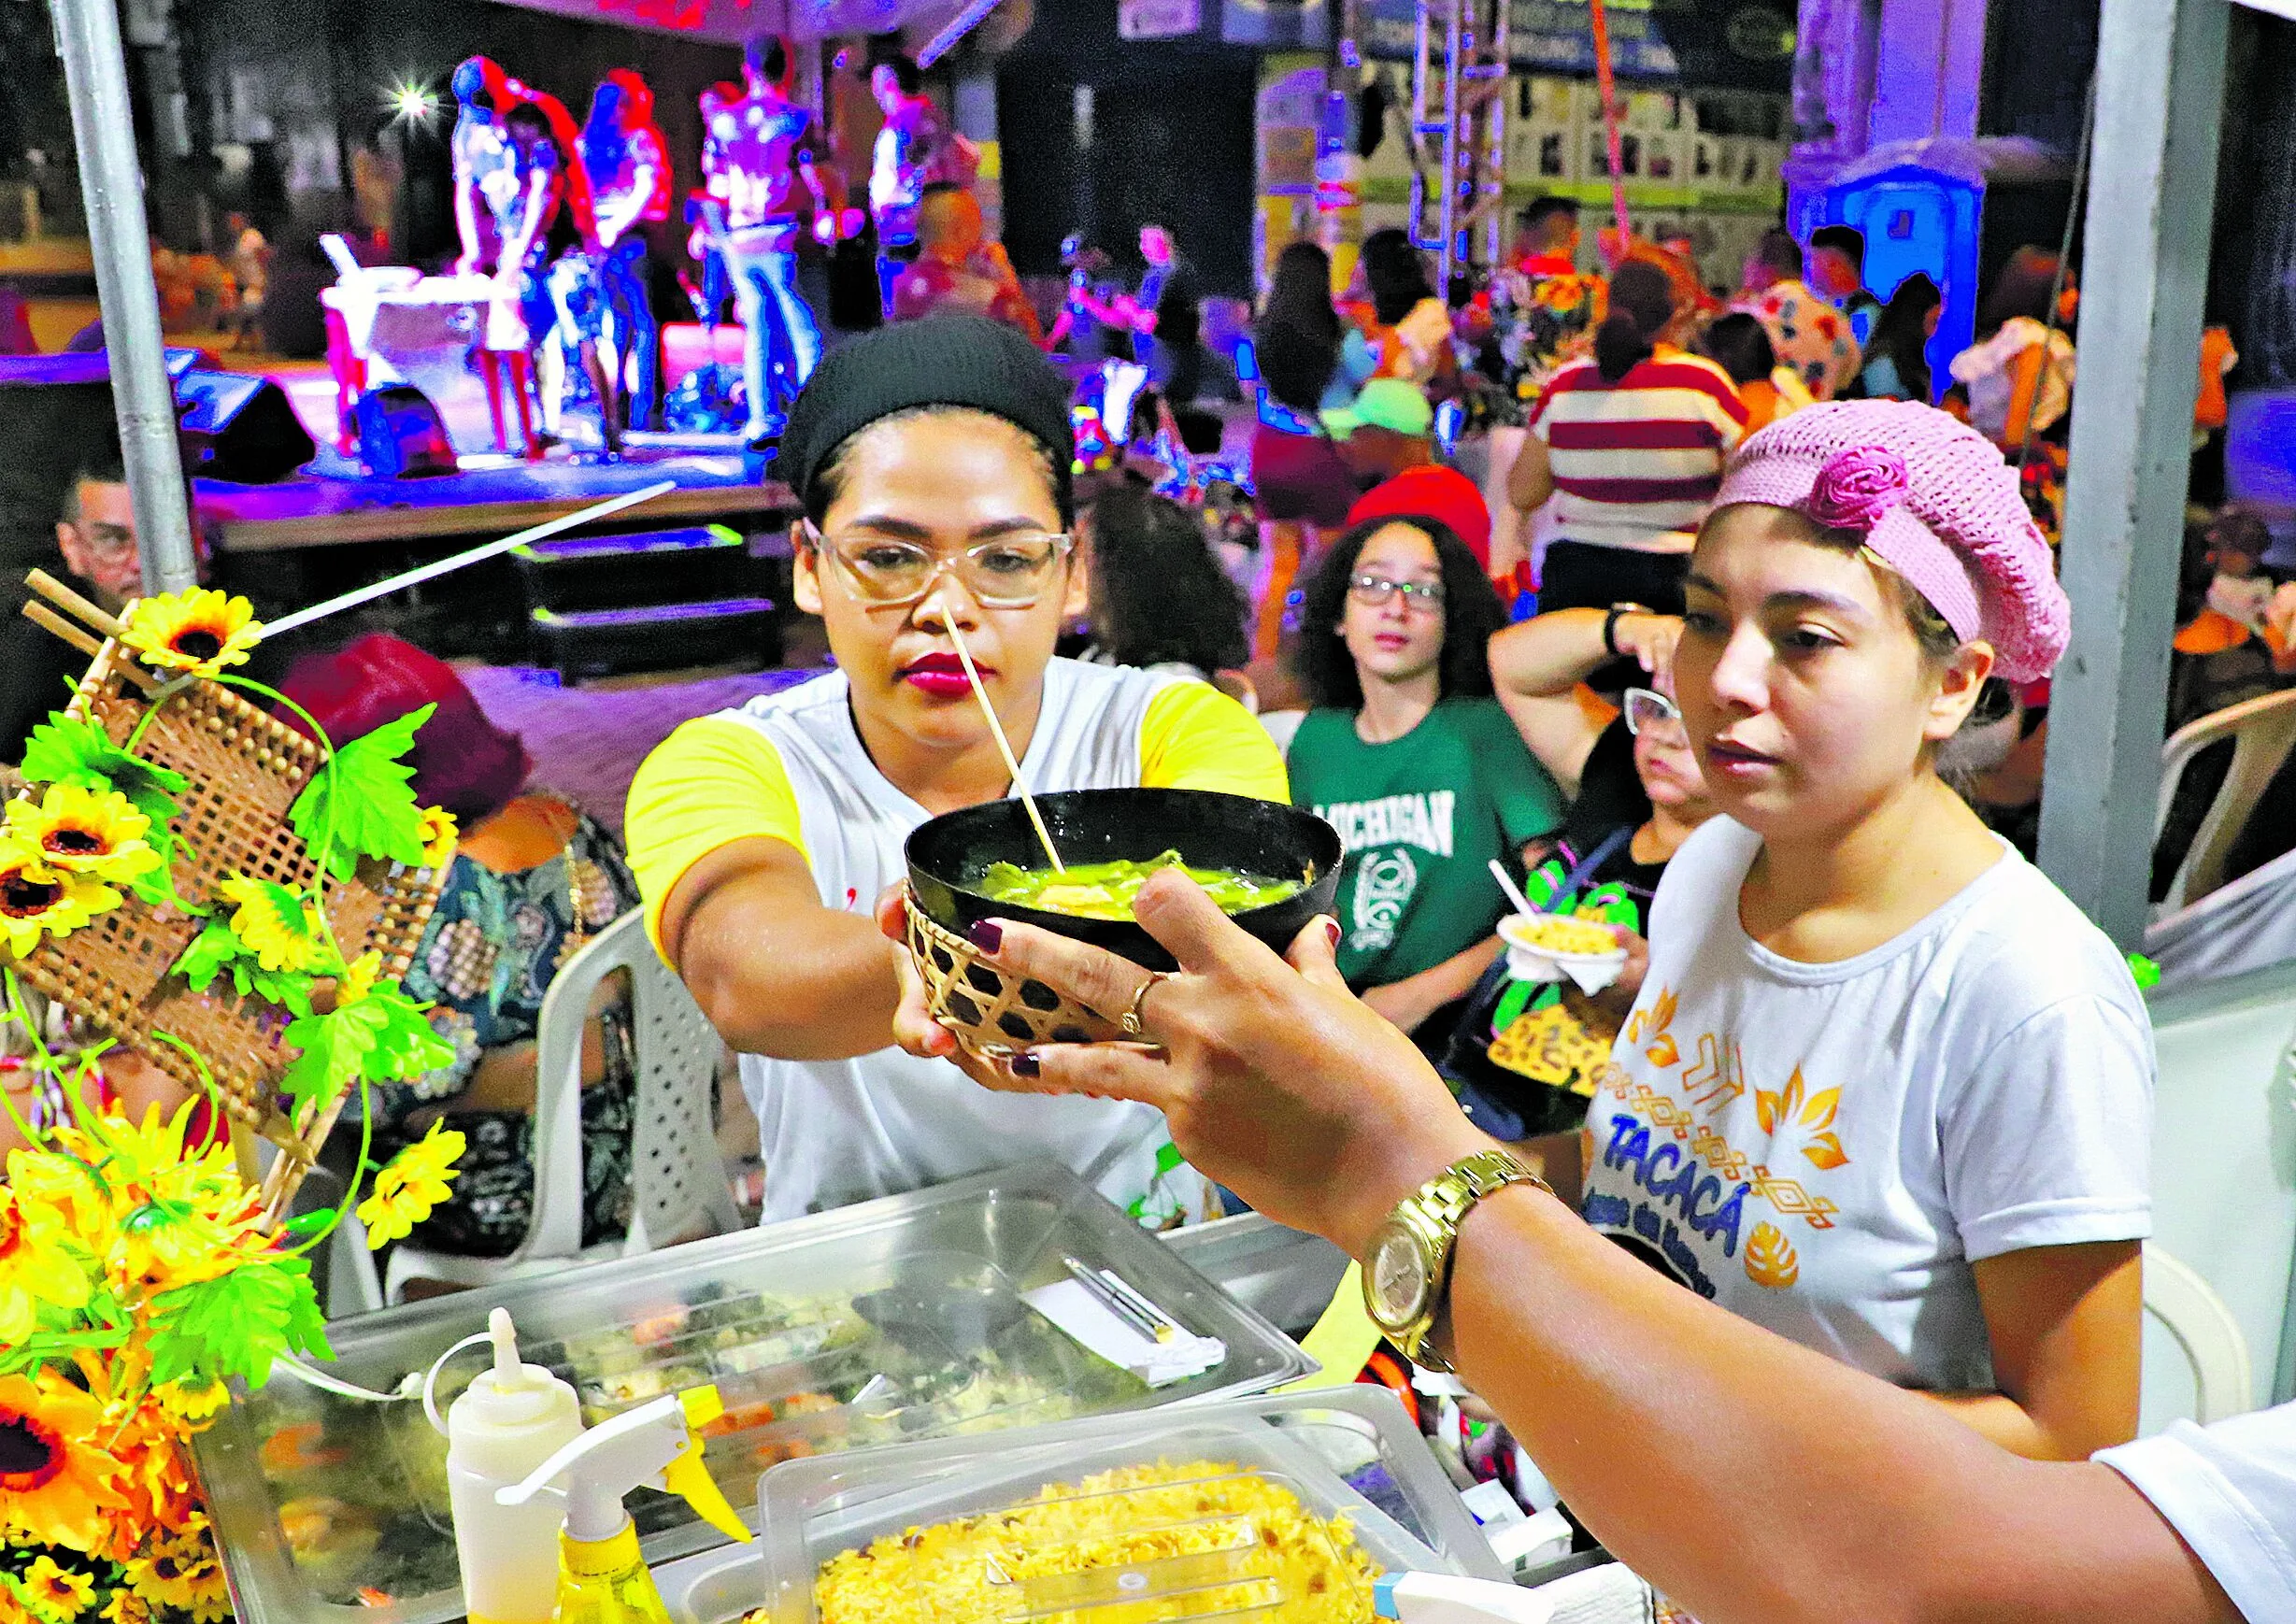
x=603 y=641
x=645 y=568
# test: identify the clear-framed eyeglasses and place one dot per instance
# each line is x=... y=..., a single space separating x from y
x=1646 y=707
x=1373 y=591
x=1006 y=572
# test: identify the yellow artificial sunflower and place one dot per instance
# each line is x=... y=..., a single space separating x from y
x=414 y=1183
x=199 y=632
x=439 y=835
x=181 y=1572
x=155 y=1476
x=358 y=977
x=76 y=830
x=180 y=1216
x=277 y=941
x=62 y=1180
x=36 y=899
x=56 y=1594
x=126 y=1607
x=55 y=1483
x=189 y=1405
x=36 y=1269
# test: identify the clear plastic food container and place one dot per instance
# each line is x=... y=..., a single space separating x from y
x=1280 y=1509
x=890 y=1321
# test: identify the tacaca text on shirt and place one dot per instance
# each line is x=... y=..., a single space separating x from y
x=1674 y=1180
x=1423 y=820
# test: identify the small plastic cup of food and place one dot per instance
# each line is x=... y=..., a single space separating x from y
x=1555 y=948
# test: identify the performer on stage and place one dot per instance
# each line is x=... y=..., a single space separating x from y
x=620 y=153
x=494 y=184
x=756 y=152
x=480 y=150
x=907 y=150
x=526 y=196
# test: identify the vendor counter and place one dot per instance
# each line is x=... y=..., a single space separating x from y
x=949 y=1313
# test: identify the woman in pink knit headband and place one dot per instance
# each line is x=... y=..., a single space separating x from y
x=1914 y=1083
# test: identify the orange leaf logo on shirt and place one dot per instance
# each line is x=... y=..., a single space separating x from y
x=1651 y=1021
x=1792 y=1108
x=1771 y=1261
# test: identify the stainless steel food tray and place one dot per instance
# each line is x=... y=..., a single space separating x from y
x=316 y=1497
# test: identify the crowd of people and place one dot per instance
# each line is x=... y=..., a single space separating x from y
x=1851 y=1155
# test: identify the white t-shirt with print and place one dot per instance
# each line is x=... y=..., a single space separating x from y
x=1825 y=1148
x=2230 y=1491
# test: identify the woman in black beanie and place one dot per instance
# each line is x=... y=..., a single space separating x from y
x=932 y=459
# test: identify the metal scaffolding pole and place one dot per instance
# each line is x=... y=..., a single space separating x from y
x=2151 y=193
x=111 y=183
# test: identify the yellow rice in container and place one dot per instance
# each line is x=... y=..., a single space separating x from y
x=1256 y=1550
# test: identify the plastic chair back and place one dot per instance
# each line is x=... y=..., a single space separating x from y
x=2262 y=730
x=677 y=1179
x=2190 y=1310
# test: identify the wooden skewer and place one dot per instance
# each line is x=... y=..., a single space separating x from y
x=41 y=615
x=1003 y=744
x=65 y=598
x=48 y=619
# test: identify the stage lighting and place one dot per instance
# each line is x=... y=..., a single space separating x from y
x=412 y=102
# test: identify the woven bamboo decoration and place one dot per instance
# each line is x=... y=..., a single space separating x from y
x=245 y=769
x=991 y=1012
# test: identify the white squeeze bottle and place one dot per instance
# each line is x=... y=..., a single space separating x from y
x=509 y=1420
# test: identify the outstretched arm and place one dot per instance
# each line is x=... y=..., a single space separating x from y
x=1751 y=1480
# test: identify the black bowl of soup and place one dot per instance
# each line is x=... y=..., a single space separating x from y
x=1271 y=866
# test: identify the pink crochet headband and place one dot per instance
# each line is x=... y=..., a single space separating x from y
x=1931 y=498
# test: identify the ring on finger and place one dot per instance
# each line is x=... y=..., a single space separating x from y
x=1129 y=1024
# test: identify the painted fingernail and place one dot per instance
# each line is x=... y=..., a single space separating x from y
x=1026 y=1064
x=1331 y=930
x=986 y=934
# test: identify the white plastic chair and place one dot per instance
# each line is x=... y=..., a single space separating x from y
x=2264 y=730
x=677 y=1179
x=2190 y=1310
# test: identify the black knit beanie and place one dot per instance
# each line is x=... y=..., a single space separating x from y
x=963 y=361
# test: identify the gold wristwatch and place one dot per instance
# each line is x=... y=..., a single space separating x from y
x=1408 y=1267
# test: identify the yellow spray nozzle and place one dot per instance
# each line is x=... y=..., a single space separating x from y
x=688 y=1476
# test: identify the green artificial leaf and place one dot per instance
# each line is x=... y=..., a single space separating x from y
x=211 y=951
x=238 y=1323
x=365 y=797
x=218 y=949
x=288 y=988
x=71 y=750
x=308 y=1224
x=407 y=1044
x=334 y=1049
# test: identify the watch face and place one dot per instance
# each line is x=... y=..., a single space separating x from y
x=1397 y=1270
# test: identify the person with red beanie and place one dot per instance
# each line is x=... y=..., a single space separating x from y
x=531 y=878
x=1432 y=492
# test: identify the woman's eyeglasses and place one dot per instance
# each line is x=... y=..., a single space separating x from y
x=1007 y=572
x=1646 y=707
x=1373 y=591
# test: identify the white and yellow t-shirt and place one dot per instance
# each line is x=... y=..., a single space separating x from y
x=1827 y=1149
x=790 y=766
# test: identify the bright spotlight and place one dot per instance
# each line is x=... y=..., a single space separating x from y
x=410 y=100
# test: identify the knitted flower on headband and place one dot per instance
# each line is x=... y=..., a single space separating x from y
x=1857 y=488
x=1932 y=499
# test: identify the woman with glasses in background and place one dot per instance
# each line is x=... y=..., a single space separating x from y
x=932 y=459
x=1411 y=759
x=1532 y=1051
